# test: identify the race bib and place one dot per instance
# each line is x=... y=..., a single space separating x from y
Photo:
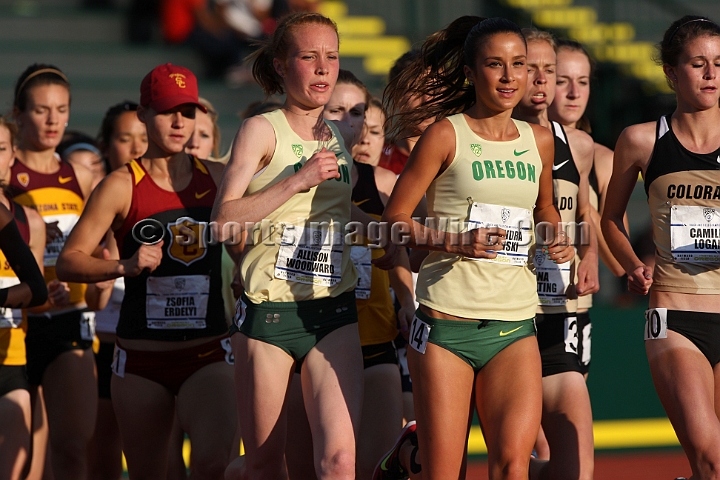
x=227 y=347
x=361 y=258
x=571 y=335
x=177 y=302
x=419 y=333
x=553 y=280
x=311 y=256
x=10 y=317
x=240 y=309
x=695 y=234
x=66 y=222
x=586 y=344
x=87 y=326
x=517 y=223
x=655 y=323
x=119 y=361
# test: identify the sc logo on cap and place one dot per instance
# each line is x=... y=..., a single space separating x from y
x=179 y=79
x=148 y=231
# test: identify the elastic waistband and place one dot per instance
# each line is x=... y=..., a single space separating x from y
x=694 y=316
x=57 y=317
x=480 y=323
x=180 y=351
x=302 y=305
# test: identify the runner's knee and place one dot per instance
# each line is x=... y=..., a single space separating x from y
x=341 y=464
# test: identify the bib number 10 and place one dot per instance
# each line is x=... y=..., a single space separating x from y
x=655 y=323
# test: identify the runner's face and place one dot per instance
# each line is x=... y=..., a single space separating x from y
x=42 y=124
x=572 y=89
x=696 y=74
x=347 y=104
x=128 y=141
x=311 y=68
x=7 y=152
x=203 y=139
x=500 y=73
x=170 y=130
x=373 y=139
x=541 y=77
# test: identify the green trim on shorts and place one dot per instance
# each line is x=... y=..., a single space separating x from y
x=476 y=342
x=296 y=327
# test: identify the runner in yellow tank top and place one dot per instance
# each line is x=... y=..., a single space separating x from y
x=14 y=389
x=289 y=173
x=488 y=181
x=678 y=159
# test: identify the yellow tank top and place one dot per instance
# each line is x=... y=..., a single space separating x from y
x=298 y=252
x=12 y=324
x=488 y=183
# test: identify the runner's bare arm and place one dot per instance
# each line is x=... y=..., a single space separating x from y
x=583 y=151
x=632 y=155
x=603 y=163
x=106 y=208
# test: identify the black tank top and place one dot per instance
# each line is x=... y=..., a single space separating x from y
x=365 y=193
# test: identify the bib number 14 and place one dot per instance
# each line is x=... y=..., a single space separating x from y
x=419 y=333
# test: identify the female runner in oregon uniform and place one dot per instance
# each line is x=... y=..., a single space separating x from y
x=678 y=158
x=561 y=341
x=469 y=340
x=290 y=169
x=122 y=138
x=172 y=352
x=59 y=336
x=16 y=269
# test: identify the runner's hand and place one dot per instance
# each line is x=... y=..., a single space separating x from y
x=147 y=258
x=52 y=231
x=321 y=166
x=477 y=243
x=404 y=319
x=640 y=280
x=389 y=260
x=58 y=293
x=560 y=250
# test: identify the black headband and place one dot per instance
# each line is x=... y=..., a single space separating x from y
x=689 y=21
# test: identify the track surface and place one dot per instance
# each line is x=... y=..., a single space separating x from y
x=665 y=465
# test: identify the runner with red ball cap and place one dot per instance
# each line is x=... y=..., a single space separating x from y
x=172 y=352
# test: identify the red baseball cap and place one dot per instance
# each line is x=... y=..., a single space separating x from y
x=168 y=86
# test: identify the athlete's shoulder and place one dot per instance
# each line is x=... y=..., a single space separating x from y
x=542 y=135
x=34 y=219
x=581 y=140
x=640 y=134
x=384 y=180
x=442 y=128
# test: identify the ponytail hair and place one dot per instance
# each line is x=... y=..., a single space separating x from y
x=278 y=46
x=437 y=74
